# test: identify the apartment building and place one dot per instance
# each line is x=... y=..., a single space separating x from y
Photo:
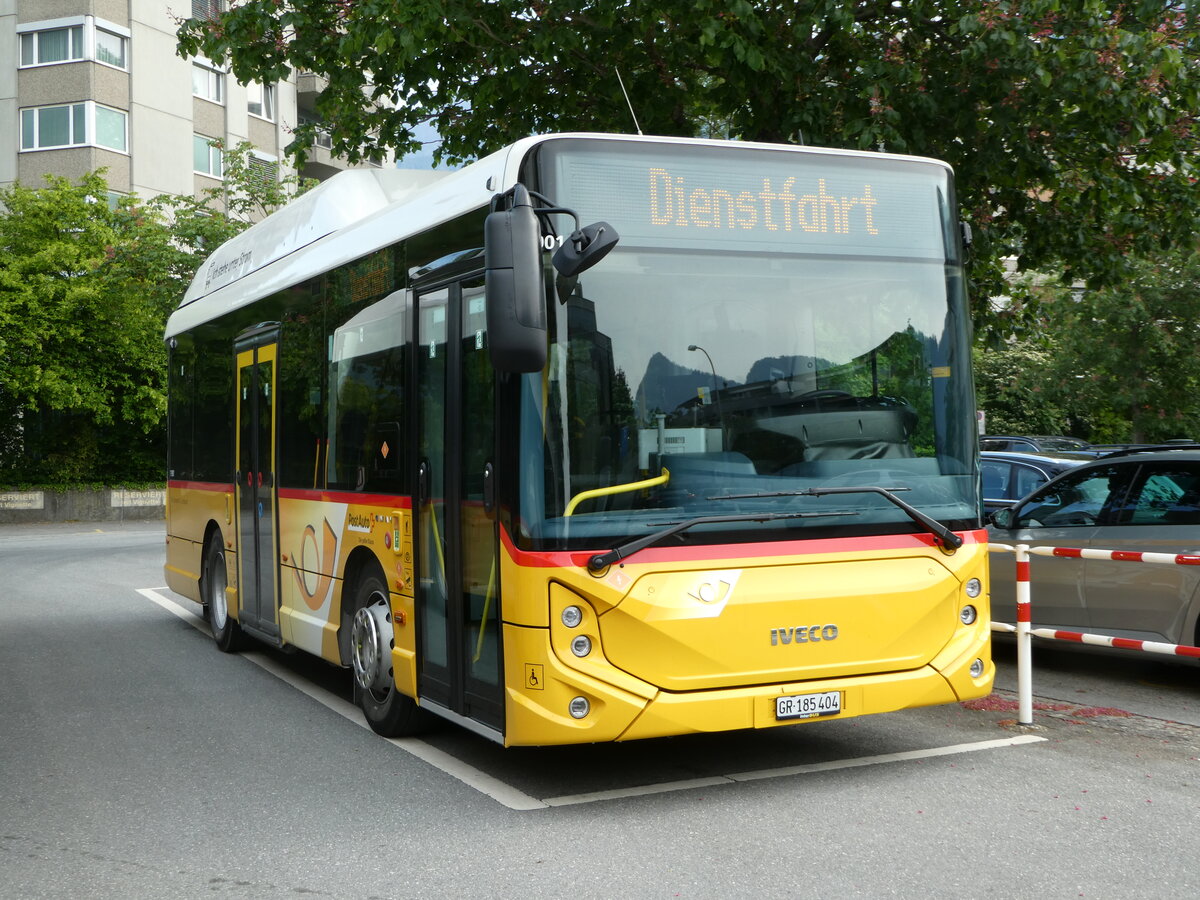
x=86 y=84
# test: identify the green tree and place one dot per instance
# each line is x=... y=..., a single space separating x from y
x=1018 y=392
x=81 y=363
x=1071 y=123
x=1129 y=350
x=85 y=290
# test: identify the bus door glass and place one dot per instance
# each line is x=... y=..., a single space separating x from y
x=255 y=484
x=458 y=581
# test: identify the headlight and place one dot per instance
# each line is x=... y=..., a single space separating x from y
x=974 y=588
x=579 y=707
x=581 y=645
x=572 y=616
x=968 y=614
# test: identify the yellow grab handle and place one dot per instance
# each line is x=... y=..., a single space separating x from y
x=617 y=489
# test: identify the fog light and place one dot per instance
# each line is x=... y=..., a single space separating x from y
x=967 y=615
x=572 y=616
x=579 y=707
x=974 y=588
x=582 y=645
x=977 y=668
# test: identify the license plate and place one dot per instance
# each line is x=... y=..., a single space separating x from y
x=808 y=706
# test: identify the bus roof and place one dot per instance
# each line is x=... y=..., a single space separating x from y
x=359 y=211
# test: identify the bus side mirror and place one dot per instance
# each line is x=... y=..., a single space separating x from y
x=1003 y=517
x=516 y=296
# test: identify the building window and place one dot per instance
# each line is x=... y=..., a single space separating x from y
x=110 y=48
x=110 y=128
x=207 y=10
x=54 y=126
x=260 y=100
x=208 y=83
x=73 y=125
x=263 y=170
x=72 y=39
x=207 y=157
x=322 y=138
x=52 y=45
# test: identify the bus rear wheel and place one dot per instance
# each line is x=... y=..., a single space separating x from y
x=226 y=632
x=388 y=711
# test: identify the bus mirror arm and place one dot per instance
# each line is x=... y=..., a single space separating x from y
x=585 y=247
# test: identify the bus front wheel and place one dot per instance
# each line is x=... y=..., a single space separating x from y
x=372 y=637
x=225 y=630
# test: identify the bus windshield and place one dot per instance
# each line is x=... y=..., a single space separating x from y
x=721 y=369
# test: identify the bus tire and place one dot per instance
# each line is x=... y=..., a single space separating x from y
x=226 y=632
x=388 y=711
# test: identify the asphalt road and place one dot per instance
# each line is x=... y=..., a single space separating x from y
x=137 y=761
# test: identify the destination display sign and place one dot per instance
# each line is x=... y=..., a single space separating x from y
x=686 y=197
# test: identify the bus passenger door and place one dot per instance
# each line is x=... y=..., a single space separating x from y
x=254 y=485
x=458 y=593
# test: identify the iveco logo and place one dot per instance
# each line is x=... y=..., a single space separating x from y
x=803 y=634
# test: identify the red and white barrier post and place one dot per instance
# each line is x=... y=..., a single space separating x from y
x=1024 y=640
x=1025 y=631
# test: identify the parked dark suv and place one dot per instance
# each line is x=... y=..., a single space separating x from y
x=1032 y=443
x=1141 y=500
x=1007 y=477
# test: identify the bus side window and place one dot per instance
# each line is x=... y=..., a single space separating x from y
x=366 y=398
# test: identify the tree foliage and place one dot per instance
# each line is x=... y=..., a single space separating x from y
x=1117 y=364
x=85 y=290
x=1132 y=347
x=1071 y=123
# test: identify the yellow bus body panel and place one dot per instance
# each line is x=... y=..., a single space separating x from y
x=677 y=647
x=676 y=652
x=189 y=512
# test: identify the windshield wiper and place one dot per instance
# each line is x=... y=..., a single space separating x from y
x=937 y=529
x=602 y=561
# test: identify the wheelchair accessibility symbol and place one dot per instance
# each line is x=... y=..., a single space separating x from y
x=533 y=677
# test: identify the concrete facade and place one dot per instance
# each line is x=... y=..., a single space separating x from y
x=152 y=92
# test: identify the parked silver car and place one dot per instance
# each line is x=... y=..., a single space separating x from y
x=1139 y=500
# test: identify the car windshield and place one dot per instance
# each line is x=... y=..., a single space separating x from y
x=688 y=382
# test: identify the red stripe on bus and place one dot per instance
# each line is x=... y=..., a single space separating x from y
x=349 y=497
x=217 y=487
x=1068 y=551
x=875 y=543
x=392 y=500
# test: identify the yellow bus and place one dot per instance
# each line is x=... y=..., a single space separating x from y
x=598 y=438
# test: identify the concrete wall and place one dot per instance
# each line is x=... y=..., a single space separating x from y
x=22 y=507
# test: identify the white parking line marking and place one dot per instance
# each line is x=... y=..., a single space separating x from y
x=787 y=771
x=502 y=793
x=511 y=797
